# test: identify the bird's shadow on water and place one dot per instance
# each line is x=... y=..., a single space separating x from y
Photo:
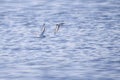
x=43 y=37
x=53 y=38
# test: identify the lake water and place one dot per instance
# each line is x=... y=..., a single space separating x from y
x=86 y=47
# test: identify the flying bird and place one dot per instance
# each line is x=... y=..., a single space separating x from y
x=57 y=27
x=42 y=31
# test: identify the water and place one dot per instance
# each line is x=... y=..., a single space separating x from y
x=87 y=46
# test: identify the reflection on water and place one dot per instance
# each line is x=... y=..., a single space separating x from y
x=87 y=46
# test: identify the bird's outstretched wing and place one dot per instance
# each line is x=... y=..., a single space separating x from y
x=42 y=30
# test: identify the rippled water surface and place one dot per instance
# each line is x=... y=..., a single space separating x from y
x=87 y=46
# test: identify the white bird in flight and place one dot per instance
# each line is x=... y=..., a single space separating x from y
x=57 y=27
x=42 y=31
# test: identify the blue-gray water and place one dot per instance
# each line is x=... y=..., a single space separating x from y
x=87 y=46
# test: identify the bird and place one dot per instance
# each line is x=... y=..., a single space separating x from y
x=57 y=27
x=42 y=31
